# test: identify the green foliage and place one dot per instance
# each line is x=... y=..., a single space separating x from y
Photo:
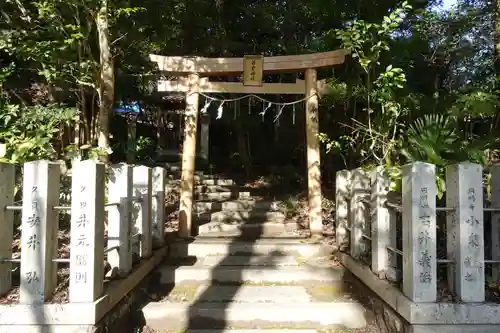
x=30 y=132
x=366 y=41
x=476 y=103
x=419 y=84
x=145 y=148
x=435 y=139
x=431 y=139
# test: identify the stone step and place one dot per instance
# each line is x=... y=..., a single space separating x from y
x=175 y=273
x=273 y=259
x=220 y=182
x=253 y=294
x=164 y=316
x=252 y=232
x=228 y=330
x=177 y=168
x=202 y=180
x=229 y=216
x=204 y=188
x=221 y=196
x=236 y=205
x=249 y=227
x=205 y=247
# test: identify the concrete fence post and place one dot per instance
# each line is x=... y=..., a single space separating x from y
x=380 y=221
x=419 y=232
x=465 y=231
x=495 y=220
x=7 y=183
x=143 y=222
x=158 y=205
x=39 y=231
x=119 y=217
x=87 y=231
x=360 y=188
x=342 y=193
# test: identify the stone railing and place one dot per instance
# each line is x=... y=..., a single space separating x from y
x=374 y=243
x=135 y=227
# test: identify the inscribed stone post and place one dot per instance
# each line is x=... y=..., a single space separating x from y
x=39 y=231
x=119 y=217
x=342 y=193
x=380 y=221
x=87 y=232
x=143 y=222
x=360 y=189
x=7 y=183
x=495 y=220
x=158 y=205
x=465 y=230
x=419 y=232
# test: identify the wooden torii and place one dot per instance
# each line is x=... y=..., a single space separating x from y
x=194 y=73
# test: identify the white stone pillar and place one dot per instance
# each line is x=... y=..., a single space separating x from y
x=143 y=222
x=119 y=217
x=39 y=231
x=419 y=232
x=465 y=230
x=158 y=205
x=7 y=184
x=131 y=138
x=87 y=231
x=495 y=220
x=205 y=136
x=342 y=193
x=380 y=221
x=360 y=188
x=393 y=273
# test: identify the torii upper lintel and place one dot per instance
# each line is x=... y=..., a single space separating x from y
x=227 y=66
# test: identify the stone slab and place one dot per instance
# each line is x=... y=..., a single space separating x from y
x=250 y=233
x=222 y=196
x=177 y=315
x=237 y=205
x=247 y=215
x=228 y=330
x=256 y=294
x=247 y=226
x=205 y=180
x=228 y=274
x=205 y=247
x=220 y=182
x=272 y=259
x=215 y=188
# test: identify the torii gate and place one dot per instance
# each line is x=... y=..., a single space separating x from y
x=191 y=69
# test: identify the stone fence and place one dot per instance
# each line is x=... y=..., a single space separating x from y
x=374 y=243
x=134 y=210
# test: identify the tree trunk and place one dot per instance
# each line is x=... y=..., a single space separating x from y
x=497 y=40
x=107 y=79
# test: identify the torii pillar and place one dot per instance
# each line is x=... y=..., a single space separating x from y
x=313 y=153
x=189 y=157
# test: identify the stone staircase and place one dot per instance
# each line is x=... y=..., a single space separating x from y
x=239 y=284
x=222 y=207
x=248 y=271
